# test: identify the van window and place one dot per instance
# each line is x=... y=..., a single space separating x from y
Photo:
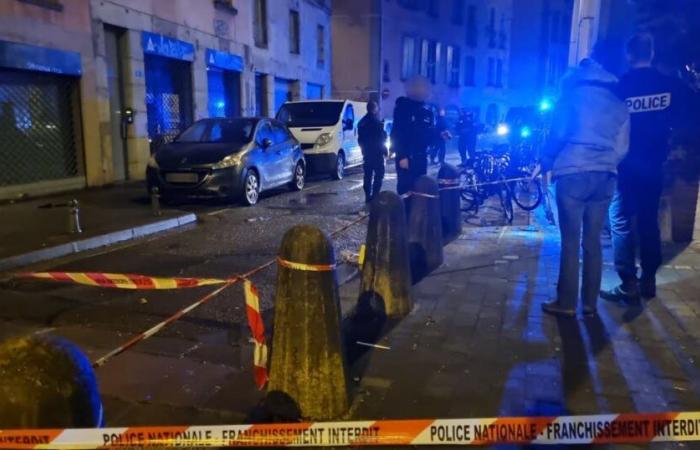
x=310 y=114
x=349 y=114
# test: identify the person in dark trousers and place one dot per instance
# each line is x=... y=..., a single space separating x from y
x=372 y=139
x=589 y=137
x=440 y=144
x=467 y=131
x=654 y=101
x=412 y=132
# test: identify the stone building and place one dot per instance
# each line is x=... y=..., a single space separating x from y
x=462 y=46
x=89 y=88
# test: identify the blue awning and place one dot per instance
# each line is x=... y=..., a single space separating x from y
x=157 y=44
x=30 y=57
x=223 y=60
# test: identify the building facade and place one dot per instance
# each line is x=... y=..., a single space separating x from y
x=540 y=50
x=461 y=46
x=87 y=99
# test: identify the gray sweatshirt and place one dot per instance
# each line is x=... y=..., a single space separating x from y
x=591 y=125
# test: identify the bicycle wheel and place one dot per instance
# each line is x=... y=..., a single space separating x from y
x=527 y=194
x=506 y=199
x=469 y=193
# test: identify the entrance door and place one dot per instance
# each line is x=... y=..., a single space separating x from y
x=168 y=98
x=224 y=93
x=115 y=82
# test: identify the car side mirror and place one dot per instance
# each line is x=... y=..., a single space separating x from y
x=348 y=124
x=266 y=143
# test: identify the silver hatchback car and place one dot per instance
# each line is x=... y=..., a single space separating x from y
x=228 y=158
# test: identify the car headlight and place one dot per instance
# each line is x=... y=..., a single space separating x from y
x=502 y=130
x=229 y=161
x=323 y=140
x=152 y=163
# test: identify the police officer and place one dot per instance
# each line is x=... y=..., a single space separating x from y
x=372 y=139
x=467 y=131
x=654 y=101
x=412 y=132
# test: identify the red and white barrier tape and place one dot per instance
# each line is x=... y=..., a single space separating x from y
x=593 y=429
x=123 y=280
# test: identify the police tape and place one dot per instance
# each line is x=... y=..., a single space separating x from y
x=592 y=429
x=123 y=280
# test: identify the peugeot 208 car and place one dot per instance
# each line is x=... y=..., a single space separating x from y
x=227 y=158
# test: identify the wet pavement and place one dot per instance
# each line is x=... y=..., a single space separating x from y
x=475 y=345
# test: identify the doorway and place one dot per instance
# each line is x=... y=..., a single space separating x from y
x=114 y=41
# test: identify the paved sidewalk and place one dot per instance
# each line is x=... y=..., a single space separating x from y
x=38 y=229
x=478 y=345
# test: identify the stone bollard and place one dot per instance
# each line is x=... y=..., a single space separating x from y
x=47 y=382
x=308 y=363
x=386 y=272
x=424 y=228
x=450 y=204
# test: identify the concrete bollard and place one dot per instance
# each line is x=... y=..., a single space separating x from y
x=425 y=228
x=386 y=272
x=47 y=382
x=308 y=363
x=450 y=204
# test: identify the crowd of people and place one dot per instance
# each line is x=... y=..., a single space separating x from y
x=607 y=144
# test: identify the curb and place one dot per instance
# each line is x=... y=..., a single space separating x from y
x=94 y=242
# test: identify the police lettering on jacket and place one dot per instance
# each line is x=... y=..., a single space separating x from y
x=646 y=103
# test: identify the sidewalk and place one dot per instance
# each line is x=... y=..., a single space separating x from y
x=34 y=230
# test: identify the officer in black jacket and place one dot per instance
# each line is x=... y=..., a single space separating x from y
x=413 y=131
x=372 y=139
x=655 y=102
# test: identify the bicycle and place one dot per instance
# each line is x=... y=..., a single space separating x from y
x=486 y=177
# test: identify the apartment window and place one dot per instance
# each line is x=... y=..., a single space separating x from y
x=458 y=12
x=260 y=23
x=320 y=46
x=423 y=63
x=491 y=74
x=492 y=114
x=408 y=56
x=472 y=32
x=440 y=63
x=469 y=71
x=502 y=34
x=294 y=45
x=386 y=76
x=565 y=29
x=499 y=73
x=411 y=4
x=491 y=30
x=453 y=62
x=554 y=27
x=433 y=9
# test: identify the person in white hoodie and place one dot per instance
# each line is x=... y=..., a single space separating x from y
x=589 y=137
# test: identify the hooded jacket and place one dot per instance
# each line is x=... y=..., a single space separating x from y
x=591 y=124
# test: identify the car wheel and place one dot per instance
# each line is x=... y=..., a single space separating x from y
x=251 y=188
x=339 y=172
x=297 y=183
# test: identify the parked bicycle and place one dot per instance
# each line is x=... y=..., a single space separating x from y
x=504 y=176
x=485 y=178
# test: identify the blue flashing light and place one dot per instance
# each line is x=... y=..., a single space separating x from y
x=502 y=130
x=545 y=105
x=525 y=132
x=220 y=104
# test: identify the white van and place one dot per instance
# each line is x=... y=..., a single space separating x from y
x=327 y=131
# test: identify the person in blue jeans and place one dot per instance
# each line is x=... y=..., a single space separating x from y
x=657 y=103
x=589 y=137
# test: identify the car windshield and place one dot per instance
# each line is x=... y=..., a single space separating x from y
x=234 y=131
x=310 y=114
